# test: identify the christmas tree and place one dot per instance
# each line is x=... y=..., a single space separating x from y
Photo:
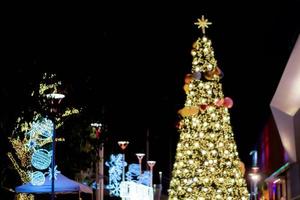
x=207 y=165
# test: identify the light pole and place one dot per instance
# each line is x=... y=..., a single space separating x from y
x=254 y=176
x=140 y=157
x=151 y=165
x=99 y=165
x=55 y=99
x=123 y=145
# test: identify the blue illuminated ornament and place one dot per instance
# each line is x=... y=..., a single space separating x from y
x=115 y=172
x=55 y=172
x=145 y=178
x=41 y=159
x=37 y=178
x=41 y=129
x=133 y=172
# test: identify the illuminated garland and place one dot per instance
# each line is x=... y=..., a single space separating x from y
x=22 y=152
x=23 y=196
x=23 y=174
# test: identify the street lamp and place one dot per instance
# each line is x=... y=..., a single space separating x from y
x=140 y=157
x=55 y=100
x=254 y=176
x=151 y=165
x=99 y=165
x=123 y=145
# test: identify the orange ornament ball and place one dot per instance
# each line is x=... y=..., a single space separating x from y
x=186 y=88
x=188 y=78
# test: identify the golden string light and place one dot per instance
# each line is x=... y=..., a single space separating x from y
x=23 y=174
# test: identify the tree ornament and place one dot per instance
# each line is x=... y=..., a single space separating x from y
x=213 y=74
x=203 y=107
x=186 y=88
x=188 y=78
x=193 y=53
x=195 y=45
x=228 y=102
x=242 y=167
x=197 y=75
x=219 y=102
x=188 y=111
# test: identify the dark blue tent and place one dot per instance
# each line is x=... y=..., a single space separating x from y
x=62 y=185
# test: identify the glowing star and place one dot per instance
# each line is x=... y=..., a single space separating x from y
x=55 y=173
x=202 y=23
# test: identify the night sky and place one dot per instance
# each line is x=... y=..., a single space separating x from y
x=126 y=64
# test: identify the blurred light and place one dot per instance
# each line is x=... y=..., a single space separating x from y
x=55 y=96
x=276 y=181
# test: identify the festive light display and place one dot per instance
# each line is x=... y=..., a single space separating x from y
x=37 y=178
x=30 y=139
x=130 y=190
x=41 y=159
x=25 y=177
x=207 y=165
x=55 y=172
x=115 y=172
x=145 y=178
x=22 y=196
x=133 y=172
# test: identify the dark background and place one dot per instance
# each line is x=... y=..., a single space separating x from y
x=125 y=64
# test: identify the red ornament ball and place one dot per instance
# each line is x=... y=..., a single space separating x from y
x=228 y=102
x=203 y=107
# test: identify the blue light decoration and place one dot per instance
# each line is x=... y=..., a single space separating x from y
x=55 y=172
x=130 y=190
x=41 y=133
x=145 y=178
x=41 y=159
x=115 y=174
x=133 y=172
x=41 y=130
x=43 y=127
x=37 y=178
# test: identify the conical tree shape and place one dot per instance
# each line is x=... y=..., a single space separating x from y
x=207 y=166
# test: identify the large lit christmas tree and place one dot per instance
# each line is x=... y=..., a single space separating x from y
x=207 y=165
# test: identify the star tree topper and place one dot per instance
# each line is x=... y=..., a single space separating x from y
x=202 y=23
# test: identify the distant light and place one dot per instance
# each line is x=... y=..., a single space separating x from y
x=140 y=155
x=55 y=96
x=97 y=125
x=276 y=181
x=254 y=177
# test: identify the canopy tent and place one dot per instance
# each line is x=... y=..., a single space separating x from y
x=62 y=185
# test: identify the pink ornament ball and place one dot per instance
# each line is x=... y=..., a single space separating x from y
x=228 y=102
